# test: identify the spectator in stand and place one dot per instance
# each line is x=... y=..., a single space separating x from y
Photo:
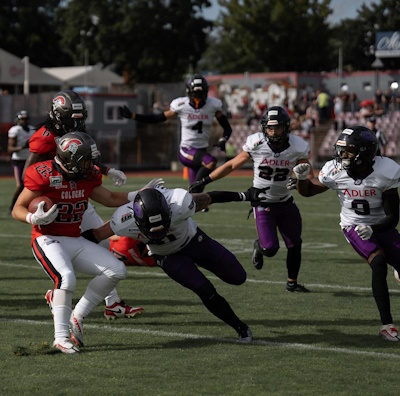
x=353 y=103
x=380 y=136
x=387 y=100
x=323 y=106
x=18 y=147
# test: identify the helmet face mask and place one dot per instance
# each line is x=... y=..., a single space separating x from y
x=355 y=148
x=68 y=112
x=197 y=91
x=152 y=213
x=76 y=153
x=273 y=118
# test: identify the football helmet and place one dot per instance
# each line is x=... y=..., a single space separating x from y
x=152 y=213
x=197 y=90
x=22 y=117
x=359 y=141
x=76 y=152
x=274 y=116
x=68 y=112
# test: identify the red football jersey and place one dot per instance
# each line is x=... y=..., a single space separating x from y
x=71 y=197
x=43 y=142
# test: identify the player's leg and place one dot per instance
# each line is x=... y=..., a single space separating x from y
x=56 y=262
x=290 y=227
x=18 y=167
x=371 y=251
x=182 y=269
x=115 y=306
x=267 y=243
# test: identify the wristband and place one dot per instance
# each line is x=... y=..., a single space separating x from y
x=29 y=218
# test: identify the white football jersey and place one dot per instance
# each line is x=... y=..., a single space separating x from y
x=195 y=123
x=21 y=136
x=183 y=228
x=274 y=169
x=361 y=200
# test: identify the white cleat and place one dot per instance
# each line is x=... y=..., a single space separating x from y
x=245 y=337
x=389 y=333
x=76 y=329
x=65 y=346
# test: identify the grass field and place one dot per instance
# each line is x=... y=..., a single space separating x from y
x=321 y=343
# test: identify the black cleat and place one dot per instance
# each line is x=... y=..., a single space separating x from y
x=245 y=336
x=294 y=287
x=257 y=258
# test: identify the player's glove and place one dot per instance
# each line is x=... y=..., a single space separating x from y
x=221 y=143
x=154 y=183
x=197 y=186
x=125 y=112
x=301 y=171
x=364 y=232
x=117 y=176
x=291 y=184
x=254 y=194
x=40 y=217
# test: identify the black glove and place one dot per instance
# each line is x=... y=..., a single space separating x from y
x=88 y=234
x=125 y=112
x=221 y=143
x=292 y=183
x=252 y=194
x=196 y=186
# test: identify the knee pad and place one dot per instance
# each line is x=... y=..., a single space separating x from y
x=68 y=282
x=269 y=252
x=206 y=292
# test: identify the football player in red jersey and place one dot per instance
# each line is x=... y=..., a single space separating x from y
x=130 y=251
x=69 y=181
x=68 y=114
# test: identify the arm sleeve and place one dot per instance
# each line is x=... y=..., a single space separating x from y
x=150 y=118
x=226 y=196
x=223 y=121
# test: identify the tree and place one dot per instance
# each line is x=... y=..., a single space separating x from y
x=357 y=36
x=272 y=35
x=147 y=41
x=27 y=29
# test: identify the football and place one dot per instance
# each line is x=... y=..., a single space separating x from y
x=33 y=205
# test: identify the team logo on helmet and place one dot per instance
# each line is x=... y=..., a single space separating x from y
x=70 y=145
x=58 y=101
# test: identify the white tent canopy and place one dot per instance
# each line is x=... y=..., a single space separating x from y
x=87 y=76
x=12 y=72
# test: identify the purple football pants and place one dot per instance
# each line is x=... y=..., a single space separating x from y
x=204 y=252
x=282 y=216
x=388 y=241
x=188 y=158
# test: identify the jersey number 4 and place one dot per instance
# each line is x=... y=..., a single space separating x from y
x=198 y=127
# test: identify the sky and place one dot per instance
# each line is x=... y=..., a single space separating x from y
x=341 y=9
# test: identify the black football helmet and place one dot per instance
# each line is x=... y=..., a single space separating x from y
x=276 y=115
x=22 y=119
x=197 y=90
x=360 y=141
x=152 y=213
x=68 y=112
x=77 y=152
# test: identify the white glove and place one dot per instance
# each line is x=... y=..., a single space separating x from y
x=40 y=217
x=301 y=171
x=364 y=232
x=154 y=183
x=117 y=176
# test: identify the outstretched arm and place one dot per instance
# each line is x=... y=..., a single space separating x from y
x=146 y=118
x=307 y=186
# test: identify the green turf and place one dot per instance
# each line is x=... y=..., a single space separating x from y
x=325 y=342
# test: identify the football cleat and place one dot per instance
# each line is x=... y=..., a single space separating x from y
x=122 y=310
x=76 y=330
x=389 y=333
x=396 y=276
x=257 y=258
x=245 y=336
x=65 y=346
x=294 y=287
x=49 y=299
